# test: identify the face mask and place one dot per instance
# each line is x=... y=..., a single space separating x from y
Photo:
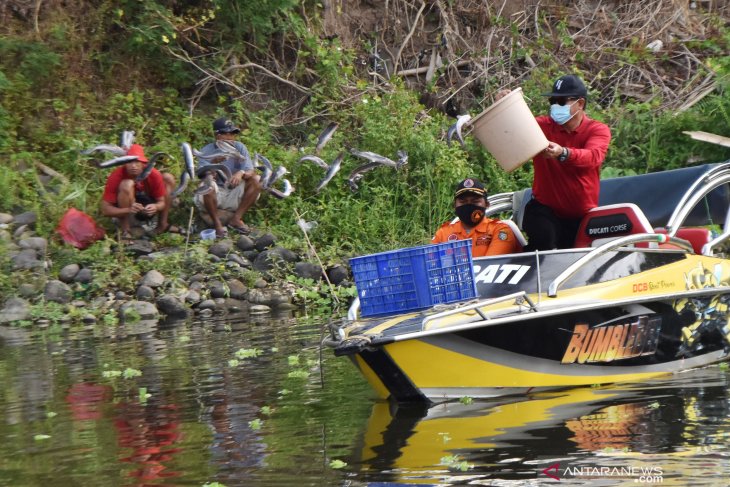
x=561 y=114
x=470 y=215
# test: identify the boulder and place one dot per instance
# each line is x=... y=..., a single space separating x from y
x=245 y=243
x=142 y=310
x=68 y=273
x=153 y=279
x=337 y=274
x=5 y=218
x=221 y=248
x=15 y=309
x=28 y=218
x=172 y=307
x=236 y=289
x=269 y=297
x=27 y=259
x=57 y=292
x=145 y=293
x=265 y=241
x=307 y=270
x=84 y=276
x=39 y=244
x=268 y=259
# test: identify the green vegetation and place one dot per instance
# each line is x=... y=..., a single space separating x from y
x=165 y=70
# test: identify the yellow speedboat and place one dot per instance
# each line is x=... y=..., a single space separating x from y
x=644 y=293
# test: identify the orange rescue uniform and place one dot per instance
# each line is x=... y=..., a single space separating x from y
x=490 y=237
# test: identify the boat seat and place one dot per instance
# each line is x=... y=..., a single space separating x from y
x=611 y=221
x=697 y=236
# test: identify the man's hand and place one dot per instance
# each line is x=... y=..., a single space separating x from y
x=136 y=208
x=553 y=150
x=238 y=177
x=150 y=209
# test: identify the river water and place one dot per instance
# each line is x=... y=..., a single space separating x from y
x=257 y=403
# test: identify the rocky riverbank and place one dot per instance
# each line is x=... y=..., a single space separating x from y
x=146 y=280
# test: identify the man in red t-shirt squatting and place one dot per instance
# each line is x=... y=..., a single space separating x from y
x=125 y=197
x=567 y=174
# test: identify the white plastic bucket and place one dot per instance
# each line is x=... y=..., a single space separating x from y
x=509 y=131
x=208 y=234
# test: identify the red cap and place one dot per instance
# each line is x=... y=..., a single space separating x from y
x=137 y=150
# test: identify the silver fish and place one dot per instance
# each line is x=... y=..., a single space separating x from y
x=288 y=189
x=317 y=160
x=117 y=161
x=114 y=150
x=402 y=159
x=325 y=136
x=184 y=180
x=280 y=171
x=334 y=168
x=208 y=185
x=455 y=130
x=212 y=169
x=265 y=161
x=373 y=157
x=357 y=174
x=266 y=173
x=230 y=152
x=188 y=157
x=127 y=139
x=146 y=171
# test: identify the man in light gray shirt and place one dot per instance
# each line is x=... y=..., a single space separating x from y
x=236 y=195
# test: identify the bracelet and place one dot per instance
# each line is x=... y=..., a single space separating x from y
x=564 y=156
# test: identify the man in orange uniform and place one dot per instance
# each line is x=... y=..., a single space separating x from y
x=488 y=237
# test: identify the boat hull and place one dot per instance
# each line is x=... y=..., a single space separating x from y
x=630 y=342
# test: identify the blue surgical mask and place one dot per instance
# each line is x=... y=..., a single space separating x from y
x=561 y=114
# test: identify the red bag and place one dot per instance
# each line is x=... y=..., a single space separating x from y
x=79 y=229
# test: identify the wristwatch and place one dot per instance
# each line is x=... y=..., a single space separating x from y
x=564 y=156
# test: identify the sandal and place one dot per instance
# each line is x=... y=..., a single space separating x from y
x=242 y=230
x=172 y=229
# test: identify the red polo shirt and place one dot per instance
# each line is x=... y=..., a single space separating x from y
x=571 y=188
x=153 y=185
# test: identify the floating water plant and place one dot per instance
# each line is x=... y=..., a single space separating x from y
x=41 y=437
x=466 y=400
x=336 y=464
x=298 y=374
x=244 y=353
x=255 y=424
x=265 y=410
x=293 y=360
x=107 y=374
x=455 y=463
x=143 y=395
x=130 y=373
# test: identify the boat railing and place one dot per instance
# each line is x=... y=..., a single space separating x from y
x=701 y=188
x=519 y=298
x=611 y=246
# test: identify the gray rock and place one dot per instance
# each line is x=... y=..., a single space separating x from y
x=250 y=254
x=153 y=279
x=78 y=303
x=214 y=258
x=268 y=259
x=27 y=259
x=207 y=304
x=235 y=305
x=142 y=310
x=145 y=293
x=260 y=283
x=268 y=297
x=198 y=278
x=236 y=289
x=139 y=247
x=265 y=241
x=172 y=307
x=84 y=276
x=221 y=249
x=69 y=272
x=307 y=270
x=89 y=319
x=337 y=274
x=218 y=289
x=20 y=232
x=15 y=309
x=259 y=309
x=245 y=243
x=241 y=261
x=5 y=235
x=196 y=286
x=27 y=290
x=120 y=295
x=28 y=218
x=57 y=292
x=5 y=218
x=205 y=313
x=192 y=297
x=39 y=244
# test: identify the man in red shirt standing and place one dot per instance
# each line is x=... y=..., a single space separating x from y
x=567 y=174
x=488 y=236
x=124 y=196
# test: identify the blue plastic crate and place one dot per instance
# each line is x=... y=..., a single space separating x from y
x=415 y=278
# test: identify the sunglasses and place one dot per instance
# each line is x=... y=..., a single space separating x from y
x=560 y=100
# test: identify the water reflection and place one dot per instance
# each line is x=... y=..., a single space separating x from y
x=70 y=416
x=680 y=425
